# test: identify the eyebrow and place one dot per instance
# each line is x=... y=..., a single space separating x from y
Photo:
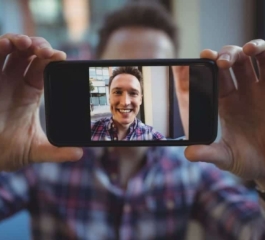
x=132 y=89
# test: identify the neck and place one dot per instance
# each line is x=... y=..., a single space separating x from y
x=122 y=129
x=130 y=161
x=122 y=133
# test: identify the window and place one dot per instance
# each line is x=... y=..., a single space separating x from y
x=101 y=89
x=105 y=71
x=99 y=71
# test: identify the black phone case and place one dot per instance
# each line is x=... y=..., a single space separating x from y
x=203 y=111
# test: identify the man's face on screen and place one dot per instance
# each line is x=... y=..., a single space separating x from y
x=125 y=98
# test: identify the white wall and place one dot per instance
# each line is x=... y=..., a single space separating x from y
x=212 y=24
x=226 y=22
x=187 y=16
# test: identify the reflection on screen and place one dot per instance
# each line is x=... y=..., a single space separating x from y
x=139 y=103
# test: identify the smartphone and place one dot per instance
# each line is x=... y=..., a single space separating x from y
x=151 y=102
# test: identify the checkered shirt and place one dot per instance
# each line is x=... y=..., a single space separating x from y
x=105 y=130
x=84 y=199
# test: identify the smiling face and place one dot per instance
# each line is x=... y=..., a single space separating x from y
x=125 y=99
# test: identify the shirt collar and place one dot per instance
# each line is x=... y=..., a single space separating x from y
x=111 y=126
x=153 y=154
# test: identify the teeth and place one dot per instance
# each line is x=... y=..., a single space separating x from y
x=124 y=110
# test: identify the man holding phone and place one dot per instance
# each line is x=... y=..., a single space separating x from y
x=156 y=191
x=126 y=93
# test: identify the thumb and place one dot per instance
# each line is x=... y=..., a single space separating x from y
x=45 y=152
x=216 y=153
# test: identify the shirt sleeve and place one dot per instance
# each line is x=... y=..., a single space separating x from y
x=15 y=190
x=227 y=209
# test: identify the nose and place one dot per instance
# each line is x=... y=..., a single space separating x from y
x=125 y=99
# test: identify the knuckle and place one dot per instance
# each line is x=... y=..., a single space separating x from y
x=39 y=40
x=8 y=35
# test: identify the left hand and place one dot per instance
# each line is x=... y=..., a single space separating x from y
x=241 y=149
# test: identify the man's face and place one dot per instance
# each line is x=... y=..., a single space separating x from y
x=125 y=98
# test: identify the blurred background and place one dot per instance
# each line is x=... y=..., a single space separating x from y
x=71 y=26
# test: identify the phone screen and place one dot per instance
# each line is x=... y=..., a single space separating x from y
x=135 y=99
x=140 y=103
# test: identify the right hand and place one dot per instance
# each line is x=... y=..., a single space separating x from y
x=22 y=140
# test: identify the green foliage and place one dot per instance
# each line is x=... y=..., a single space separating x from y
x=91 y=85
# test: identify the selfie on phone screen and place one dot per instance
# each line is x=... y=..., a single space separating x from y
x=127 y=100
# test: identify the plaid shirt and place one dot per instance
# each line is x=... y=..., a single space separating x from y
x=81 y=200
x=104 y=129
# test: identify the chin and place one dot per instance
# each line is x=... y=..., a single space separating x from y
x=125 y=122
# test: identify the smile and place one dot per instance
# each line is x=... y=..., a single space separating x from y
x=124 y=110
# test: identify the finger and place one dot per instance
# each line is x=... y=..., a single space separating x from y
x=26 y=45
x=5 y=48
x=215 y=153
x=210 y=54
x=19 y=60
x=34 y=74
x=233 y=56
x=43 y=151
x=20 y=41
x=49 y=153
x=256 y=48
x=9 y=43
x=41 y=47
x=225 y=80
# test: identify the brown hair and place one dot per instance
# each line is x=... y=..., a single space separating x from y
x=128 y=70
x=143 y=14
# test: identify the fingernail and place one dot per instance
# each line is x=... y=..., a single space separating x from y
x=79 y=152
x=225 y=57
x=255 y=43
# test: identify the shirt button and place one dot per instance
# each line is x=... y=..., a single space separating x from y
x=127 y=208
x=170 y=204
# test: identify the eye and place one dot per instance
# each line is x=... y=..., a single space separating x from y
x=134 y=94
x=117 y=92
